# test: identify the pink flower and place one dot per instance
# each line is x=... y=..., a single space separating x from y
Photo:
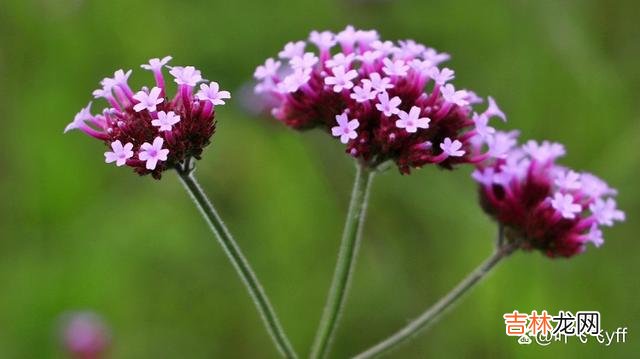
x=378 y=83
x=212 y=94
x=435 y=57
x=347 y=37
x=148 y=101
x=395 y=68
x=452 y=148
x=450 y=94
x=410 y=49
x=595 y=236
x=563 y=203
x=494 y=111
x=441 y=77
x=547 y=151
x=340 y=60
x=85 y=335
x=364 y=93
x=323 y=40
x=346 y=129
x=120 y=153
x=153 y=153
x=501 y=143
x=411 y=121
x=568 y=180
x=291 y=50
x=188 y=76
x=341 y=79
x=165 y=120
x=369 y=57
x=80 y=119
x=156 y=64
x=385 y=47
x=120 y=77
x=605 y=211
x=294 y=81
x=269 y=69
x=303 y=62
x=388 y=106
x=482 y=126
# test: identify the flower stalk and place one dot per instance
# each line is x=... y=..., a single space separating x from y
x=504 y=249
x=346 y=262
x=238 y=260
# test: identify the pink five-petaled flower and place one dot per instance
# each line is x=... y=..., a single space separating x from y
x=291 y=50
x=456 y=97
x=323 y=40
x=545 y=152
x=388 y=106
x=568 y=180
x=441 y=77
x=341 y=79
x=346 y=129
x=395 y=68
x=595 y=236
x=120 y=77
x=165 y=120
x=412 y=121
x=452 y=148
x=148 y=101
x=79 y=119
x=294 y=81
x=564 y=204
x=340 y=60
x=303 y=62
x=494 y=111
x=364 y=93
x=379 y=83
x=605 y=212
x=120 y=153
x=212 y=94
x=156 y=64
x=482 y=126
x=153 y=153
x=385 y=47
x=188 y=75
x=268 y=70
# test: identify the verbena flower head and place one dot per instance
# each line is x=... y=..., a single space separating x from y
x=147 y=130
x=542 y=204
x=384 y=100
x=85 y=335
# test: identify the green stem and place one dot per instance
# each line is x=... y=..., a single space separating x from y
x=241 y=265
x=439 y=307
x=346 y=261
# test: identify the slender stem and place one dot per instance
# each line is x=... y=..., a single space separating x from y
x=346 y=261
x=500 y=236
x=241 y=265
x=439 y=307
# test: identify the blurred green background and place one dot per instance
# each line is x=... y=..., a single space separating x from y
x=79 y=234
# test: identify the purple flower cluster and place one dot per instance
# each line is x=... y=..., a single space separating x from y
x=372 y=95
x=85 y=335
x=148 y=131
x=542 y=204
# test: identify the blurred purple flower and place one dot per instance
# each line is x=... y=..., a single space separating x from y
x=85 y=335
